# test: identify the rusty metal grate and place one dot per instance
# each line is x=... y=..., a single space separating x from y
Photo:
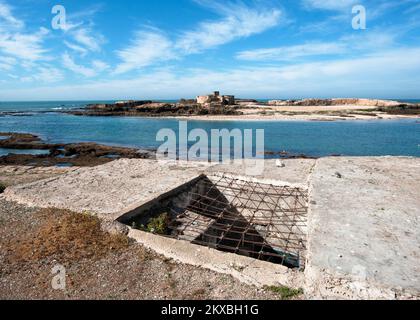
x=258 y=220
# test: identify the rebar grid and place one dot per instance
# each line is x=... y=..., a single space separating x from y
x=258 y=220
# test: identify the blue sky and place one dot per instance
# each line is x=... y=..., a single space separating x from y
x=171 y=49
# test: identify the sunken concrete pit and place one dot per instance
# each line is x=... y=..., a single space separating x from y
x=229 y=214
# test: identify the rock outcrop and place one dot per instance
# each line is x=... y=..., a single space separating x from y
x=74 y=154
x=155 y=109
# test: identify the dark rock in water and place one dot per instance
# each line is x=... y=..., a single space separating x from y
x=76 y=154
x=287 y=155
x=111 y=156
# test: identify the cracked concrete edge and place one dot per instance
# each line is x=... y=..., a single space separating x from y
x=321 y=284
x=245 y=269
x=273 y=182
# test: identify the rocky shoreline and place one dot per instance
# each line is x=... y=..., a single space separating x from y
x=153 y=109
x=82 y=154
x=62 y=155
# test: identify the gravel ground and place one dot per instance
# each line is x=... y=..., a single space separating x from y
x=129 y=273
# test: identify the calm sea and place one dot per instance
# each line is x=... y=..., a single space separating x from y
x=352 y=138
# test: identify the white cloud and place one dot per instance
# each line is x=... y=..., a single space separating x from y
x=81 y=30
x=99 y=65
x=45 y=74
x=370 y=40
x=354 y=43
x=385 y=74
x=292 y=52
x=146 y=48
x=85 y=37
x=239 y=21
x=7 y=19
x=96 y=67
x=49 y=74
x=24 y=46
x=14 y=41
x=83 y=51
x=87 y=12
x=338 y=5
x=7 y=63
x=69 y=63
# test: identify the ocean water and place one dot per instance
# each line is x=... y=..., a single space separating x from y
x=312 y=138
x=41 y=106
x=5 y=152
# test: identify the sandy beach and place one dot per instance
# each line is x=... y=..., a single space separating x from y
x=303 y=113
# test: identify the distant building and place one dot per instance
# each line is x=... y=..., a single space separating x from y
x=216 y=99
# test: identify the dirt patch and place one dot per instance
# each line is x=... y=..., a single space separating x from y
x=117 y=271
x=65 y=236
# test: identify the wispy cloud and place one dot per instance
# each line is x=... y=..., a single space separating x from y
x=351 y=44
x=146 y=48
x=287 y=53
x=14 y=41
x=7 y=19
x=87 y=38
x=97 y=66
x=238 y=21
x=44 y=74
x=82 y=35
x=25 y=46
x=338 y=5
x=7 y=63
x=83 y=51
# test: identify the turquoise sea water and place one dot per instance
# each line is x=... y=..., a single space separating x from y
x=352 y=138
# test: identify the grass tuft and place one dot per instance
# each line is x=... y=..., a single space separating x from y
x=159 y=225
x=285 y=293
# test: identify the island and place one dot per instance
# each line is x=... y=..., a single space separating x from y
x=226 y=107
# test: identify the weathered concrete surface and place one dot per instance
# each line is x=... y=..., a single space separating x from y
x=118 y=187
x=247 y=270
x=106 y=190
x=364 y=232
x=15 y=175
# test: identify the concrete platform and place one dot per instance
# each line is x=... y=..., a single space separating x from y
x=109 y=189
x=363 y=229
